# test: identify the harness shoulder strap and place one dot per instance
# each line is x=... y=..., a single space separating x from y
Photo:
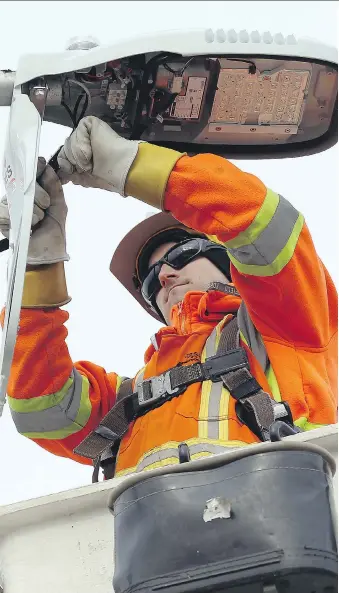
x=255 y=408
x=107 y=458
x=125 y=389
x=228 y=337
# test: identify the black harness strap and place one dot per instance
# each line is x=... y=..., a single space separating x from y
x=254 y=407
x=107 y=459
x=229 y=337
x=152 y=393
x=126 y=388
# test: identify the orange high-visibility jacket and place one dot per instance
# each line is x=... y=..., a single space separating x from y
x=288 y=324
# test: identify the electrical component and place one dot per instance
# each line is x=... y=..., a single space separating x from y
x=188 y=104
x=116 y=96
x=176 y=84
x=161 y=101
x=104 y=87
x=267 y=98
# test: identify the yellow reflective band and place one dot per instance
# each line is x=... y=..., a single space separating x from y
x=213 y=396
x=80 y=421
x=223 y=423
x=273 y=383
x=156 y=464
x=260 y=222
x=118 y=385
x=170 y=459
x=242 y=337
x=280 y=261
x=215 y=239
x=224 y=395
x=42 y=402
x=204 y=400
x=304 y=424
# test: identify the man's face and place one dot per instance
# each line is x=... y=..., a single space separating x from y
x=197 y=275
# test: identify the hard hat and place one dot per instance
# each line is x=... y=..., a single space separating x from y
x=143 y=239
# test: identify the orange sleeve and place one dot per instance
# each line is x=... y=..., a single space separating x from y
x=287 y=290
x=54 y=402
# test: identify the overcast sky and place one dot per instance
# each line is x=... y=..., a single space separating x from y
x=105 y=325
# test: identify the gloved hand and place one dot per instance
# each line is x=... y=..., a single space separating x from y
x=95 y=156
x=47 y=244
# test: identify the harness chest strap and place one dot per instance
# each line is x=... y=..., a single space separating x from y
x=254 y=407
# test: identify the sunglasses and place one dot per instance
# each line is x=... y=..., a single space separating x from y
x=178 y=257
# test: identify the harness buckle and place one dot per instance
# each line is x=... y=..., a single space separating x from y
x=155 y=388
x=218 y=365
x=279 y=429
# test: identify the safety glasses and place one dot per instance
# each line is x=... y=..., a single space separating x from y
x=178 y=257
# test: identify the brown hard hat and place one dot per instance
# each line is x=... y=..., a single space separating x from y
x=123 y=264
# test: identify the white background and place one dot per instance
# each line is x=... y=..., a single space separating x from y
x=106 y=326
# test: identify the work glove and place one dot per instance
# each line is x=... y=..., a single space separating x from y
x=47 y=244
x=96 y=156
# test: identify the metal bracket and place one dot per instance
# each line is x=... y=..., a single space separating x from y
x=38 y=96
x=279 y=430
x=151 y=390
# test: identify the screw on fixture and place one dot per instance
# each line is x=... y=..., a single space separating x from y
x=253 y=129
x=287 y=130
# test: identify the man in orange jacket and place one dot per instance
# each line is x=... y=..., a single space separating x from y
x=224 y=245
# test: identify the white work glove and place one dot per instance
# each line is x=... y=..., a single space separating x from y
x=47 y=244
x=95 y=156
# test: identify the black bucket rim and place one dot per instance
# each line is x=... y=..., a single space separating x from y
x=215 y=461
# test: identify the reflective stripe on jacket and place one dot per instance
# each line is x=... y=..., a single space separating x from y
x=287 y=318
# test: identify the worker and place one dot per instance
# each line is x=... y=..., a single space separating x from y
x=224 y=247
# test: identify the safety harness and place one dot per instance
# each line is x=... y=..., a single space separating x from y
x=267 y=419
